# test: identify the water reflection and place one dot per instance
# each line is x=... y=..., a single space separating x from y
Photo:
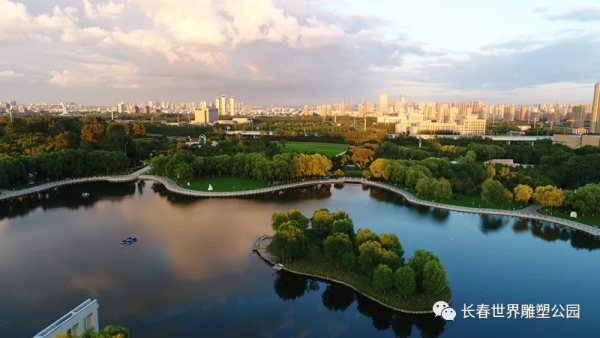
x=492 y=223
x=337 y=297
x=66 y=197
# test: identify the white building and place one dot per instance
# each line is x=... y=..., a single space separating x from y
x=206 y=116
x=464 y=125
x=81 y=318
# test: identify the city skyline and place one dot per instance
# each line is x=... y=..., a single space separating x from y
x=298 y=52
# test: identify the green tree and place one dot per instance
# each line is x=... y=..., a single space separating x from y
x=340 y=214
x=369 y=256
x=383 y=278
x=471 y=157
x=434 y=278
x=298 y=217
x=392 y=243
x=288 y=243
x=279 y=217
x=490 y=171
x=345 y=226
x=322 y=222
x=365 y=235
x=418 y=260
x=336 y=246
x=442 y=190
x=405 y=281
x=586 y=200
x=492 y=191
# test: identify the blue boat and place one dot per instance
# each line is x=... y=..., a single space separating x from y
x=128 y=241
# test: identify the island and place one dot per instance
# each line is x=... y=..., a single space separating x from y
x=326 y=246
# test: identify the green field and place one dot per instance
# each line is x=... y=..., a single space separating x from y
x=224 y=184
x=319 y=148
x=560 y=213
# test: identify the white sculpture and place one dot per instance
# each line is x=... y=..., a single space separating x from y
x=210 y=188
x=573 y=214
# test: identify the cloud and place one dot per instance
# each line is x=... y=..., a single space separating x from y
x=582 y=14
x=93 y=74
x=7 y=73
x=110 y=10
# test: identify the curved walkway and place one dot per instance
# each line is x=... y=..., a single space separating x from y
x=529 y=212
x=260 y=247
x=8 y=194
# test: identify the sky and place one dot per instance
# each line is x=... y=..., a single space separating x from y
x=296 y=52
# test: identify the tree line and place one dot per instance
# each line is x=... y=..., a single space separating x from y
x=331 y=240
x=60 y=165
x=184 y=165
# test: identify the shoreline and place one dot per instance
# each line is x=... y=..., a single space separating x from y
x=260 y=247
x=173 y=187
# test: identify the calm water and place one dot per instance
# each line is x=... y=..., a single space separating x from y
x=192 y=273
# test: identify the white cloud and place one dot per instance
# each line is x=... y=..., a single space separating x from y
x=92 y=74
x=7 y=73
x=109 y=10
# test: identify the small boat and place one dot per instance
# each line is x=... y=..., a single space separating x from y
x=128 y=241
x=85 y=194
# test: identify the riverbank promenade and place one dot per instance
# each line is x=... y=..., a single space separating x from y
x=529 y=212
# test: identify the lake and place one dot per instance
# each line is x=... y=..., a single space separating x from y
x=192 y=272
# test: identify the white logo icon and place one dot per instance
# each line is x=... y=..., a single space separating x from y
x=448 y=314
x=438 y=307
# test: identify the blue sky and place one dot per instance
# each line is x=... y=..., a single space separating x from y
x=298 y=51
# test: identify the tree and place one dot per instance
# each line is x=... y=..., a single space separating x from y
x=345 y=226
x=471 y=156
x=340 y=214
x=288 y=243
x=365 y=235
x=379 y=168
x=336 y=246
x=508 y=196
x=92 y=132
x=434 y=278
x=279 y=217
x=425 y=187
x=492 y=191
x=490 y=171
x=322 y=222
x=369 y=257
x=383 y=277
x=405 y=281
x=442 y=190
x=523 y=193
x=392 y=243
x=366 y=174
x=549 y=196
x=418 y=260
x=586 y=200
x=299 y=218
x=339 y=173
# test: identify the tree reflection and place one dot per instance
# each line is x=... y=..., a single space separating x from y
x=492 y=223
x=521 y=225
x=551 y=232
x=337 y=297
x=65 y=197
x=176 y=199
x=289 y=286
x=440 y=214
x=316 y=192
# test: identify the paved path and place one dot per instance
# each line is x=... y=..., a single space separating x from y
x=529 y=212
x=7 y=194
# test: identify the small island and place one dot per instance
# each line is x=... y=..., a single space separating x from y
x=326 y=246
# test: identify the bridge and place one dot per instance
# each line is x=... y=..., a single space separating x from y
x=253 y=133
x=529 y=213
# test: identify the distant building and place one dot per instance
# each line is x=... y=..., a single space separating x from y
x=383 y=103
x=222 y=110
x=595 y=124
x=206 y=116
x=305 y=111
x=231 y=106
x=464 y=125
x=577 y=141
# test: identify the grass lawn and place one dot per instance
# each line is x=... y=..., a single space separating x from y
x=224 y=184
x=319 y=148
x=561 y=213
x=470 y=201
x=364 y=284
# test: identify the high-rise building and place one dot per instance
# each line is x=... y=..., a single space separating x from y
x=218 y=104
x=578 y=116
x=402 y=100
x=222 y=110
x=203 y=105
x=342 y=110
x=305 y=111
x=121 y=107
x=383 y=103
x=523 y=114
x=231 y=106
x=595 y=124
x=368 y=107
x=361 y=111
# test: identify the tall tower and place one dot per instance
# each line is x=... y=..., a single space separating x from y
x=305 y=111
x=402 y=100
x=383 y=103
x=218 y=104
x=361 y=110
x=231 y=106
x=595 y=123
x=222 y=106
